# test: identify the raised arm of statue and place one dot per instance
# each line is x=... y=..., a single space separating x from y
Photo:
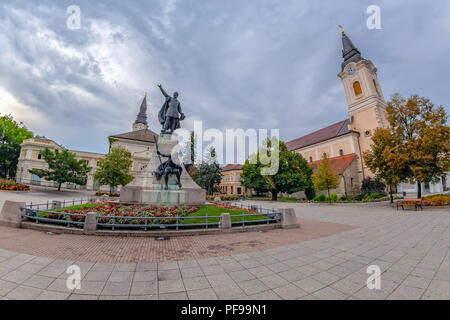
x=162 y=91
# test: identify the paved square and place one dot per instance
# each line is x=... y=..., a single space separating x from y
x=327 y=258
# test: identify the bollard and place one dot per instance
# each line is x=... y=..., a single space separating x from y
x=225 y=222
x=57 y=204
x=90 y=223
x=288 y=218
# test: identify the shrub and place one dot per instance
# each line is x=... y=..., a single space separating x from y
x=370 y=185
x=109 y=194
x=320 y=198
x=333 y=197
x=310 y=193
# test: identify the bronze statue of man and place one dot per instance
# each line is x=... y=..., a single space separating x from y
x=170 y=114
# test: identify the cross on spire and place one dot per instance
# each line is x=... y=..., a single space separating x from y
x=349 y=52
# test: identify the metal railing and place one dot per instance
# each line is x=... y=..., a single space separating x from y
x=47 y=213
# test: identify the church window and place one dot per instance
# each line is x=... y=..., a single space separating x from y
x=357 y=88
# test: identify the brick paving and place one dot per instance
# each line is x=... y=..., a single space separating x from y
x=411 y=248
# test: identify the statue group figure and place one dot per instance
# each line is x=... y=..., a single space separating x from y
x=167 y=168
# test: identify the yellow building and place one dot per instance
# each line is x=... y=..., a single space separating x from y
x=345 y=141
x=138 y=142
x=231 y=180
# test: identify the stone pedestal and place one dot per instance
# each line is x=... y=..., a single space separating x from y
x=146 y=189
x=289 y=218
x=10 y=215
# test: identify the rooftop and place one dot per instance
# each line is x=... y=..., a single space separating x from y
x=230 y=167
x=335 y=130
x=338 y=164
x=144 y=135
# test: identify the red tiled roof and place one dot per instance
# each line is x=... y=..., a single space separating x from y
x=323 y=134
x=230 y=167
x=338 y=164
x=140 y=135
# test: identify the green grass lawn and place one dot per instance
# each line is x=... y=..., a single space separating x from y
x=81 y=206
x=213 y=211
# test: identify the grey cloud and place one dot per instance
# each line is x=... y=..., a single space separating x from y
x=236 y=64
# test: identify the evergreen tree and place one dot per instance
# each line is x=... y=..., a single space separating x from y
x=209 y=173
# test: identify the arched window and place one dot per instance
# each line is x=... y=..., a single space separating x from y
x=310 y=159
x=357 y=88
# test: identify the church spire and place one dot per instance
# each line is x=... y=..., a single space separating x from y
x=141 y=120
x=349 y=52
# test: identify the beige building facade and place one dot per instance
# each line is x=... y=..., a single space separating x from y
x=138 y=142
x=231 y=180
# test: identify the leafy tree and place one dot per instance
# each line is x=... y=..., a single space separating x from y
x=115 y=168
x=325 y=178
x=251 y=177
x=383 y=159
x=423 y=136
x=12 y=135
x=63 y=167
x=293 y=174
x=209 y=173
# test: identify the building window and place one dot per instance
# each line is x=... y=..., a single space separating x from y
x=341 y=152
x=351 y=182
x=310 y=159
x=39 y=156
x=357 y=88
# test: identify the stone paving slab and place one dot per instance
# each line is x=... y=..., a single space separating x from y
x=411 y=249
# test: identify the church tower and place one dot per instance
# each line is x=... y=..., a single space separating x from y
x=366 y=104
x=141 y=120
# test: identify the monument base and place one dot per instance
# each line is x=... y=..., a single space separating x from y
x=146 y=189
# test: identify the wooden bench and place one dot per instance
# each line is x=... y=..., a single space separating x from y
x=413 y=203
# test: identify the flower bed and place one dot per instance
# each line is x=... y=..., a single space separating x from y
x=124 y=214
x=114 y=213
x=11 y=185
x=231 y=207
x=437 y=200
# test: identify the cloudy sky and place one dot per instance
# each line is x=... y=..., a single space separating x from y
x=237 y=64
